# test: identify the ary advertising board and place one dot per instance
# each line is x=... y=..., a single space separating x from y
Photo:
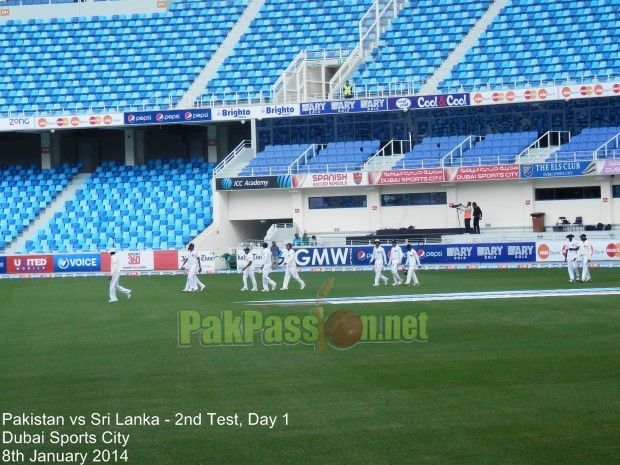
x=2 y=265
x=558 y=169
x=66 y=263
x=344 y=106
x=30 y=264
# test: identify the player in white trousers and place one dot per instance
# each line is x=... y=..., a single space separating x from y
x=115 y=276
x=380 y=259
x=396 y=258
x=248 y=271
x=572 y=248
x=290 y=262
x=266 y=268
x=192 y=263
x=412 y=264
x=585 y=255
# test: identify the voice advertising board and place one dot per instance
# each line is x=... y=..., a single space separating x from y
x=76 y=263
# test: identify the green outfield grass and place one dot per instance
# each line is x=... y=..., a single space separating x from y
x=499 y=381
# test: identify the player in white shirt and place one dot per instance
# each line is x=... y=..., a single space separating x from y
x=380 y=259
x=192 y=263
x=266 y=268
x=115 y=276
x=412 y=263
x=585 y=255
x=572 y=248
x=290 y=262
x=248 y=270
x=396 y=258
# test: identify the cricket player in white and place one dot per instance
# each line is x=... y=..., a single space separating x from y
x=572 y=248
x=585 y=255
x=412 y=263
x=192 y=262
x=115 y=276
x=380 y=259
x=396 y=258
x=290 y=262
x=267 y=281
x=248 y=271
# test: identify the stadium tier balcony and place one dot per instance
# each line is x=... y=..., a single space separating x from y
x=591 y=143
x=495 y=149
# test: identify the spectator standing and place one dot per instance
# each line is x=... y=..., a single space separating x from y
x=477 y=212
x=275 y=255
x=315 y=241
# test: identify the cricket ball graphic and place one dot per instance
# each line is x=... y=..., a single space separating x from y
x=344 y=328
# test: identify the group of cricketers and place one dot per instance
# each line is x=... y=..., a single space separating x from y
x=290 y=270
x=577 y=254
x=379 y=257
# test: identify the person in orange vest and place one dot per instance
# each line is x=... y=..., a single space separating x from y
x=467 y=214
